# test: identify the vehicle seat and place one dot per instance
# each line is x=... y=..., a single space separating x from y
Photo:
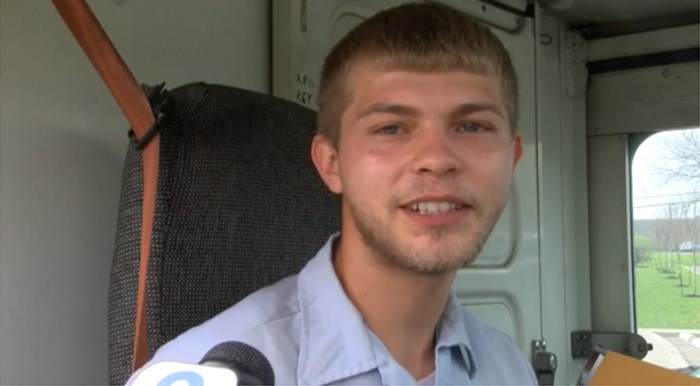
x=239 y=205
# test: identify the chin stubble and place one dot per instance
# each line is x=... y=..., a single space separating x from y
x=387 y=248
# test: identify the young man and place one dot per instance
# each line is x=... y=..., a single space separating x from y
x=417 y=132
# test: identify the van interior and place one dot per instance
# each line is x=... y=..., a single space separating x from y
x=598 y=245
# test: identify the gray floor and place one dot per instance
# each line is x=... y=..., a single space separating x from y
x=689 y=352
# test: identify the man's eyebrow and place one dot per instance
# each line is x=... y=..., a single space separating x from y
x=399 y=109
x=389 y=108
x=470 y=108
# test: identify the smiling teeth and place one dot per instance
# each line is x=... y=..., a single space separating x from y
x=435 y=207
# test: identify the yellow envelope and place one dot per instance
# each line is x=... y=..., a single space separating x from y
x=618 y=369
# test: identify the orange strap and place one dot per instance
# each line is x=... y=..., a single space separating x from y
x=133 y=103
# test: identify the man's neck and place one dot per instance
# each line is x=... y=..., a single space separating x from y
x=401 y=308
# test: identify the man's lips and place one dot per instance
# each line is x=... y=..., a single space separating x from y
x=435 y=199
x=436 y=210
x=436 y=220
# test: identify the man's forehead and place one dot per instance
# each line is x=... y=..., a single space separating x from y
x=369 y=84
x=364 y=72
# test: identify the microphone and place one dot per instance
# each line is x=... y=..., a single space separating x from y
x=228 y=363
x=250 y=365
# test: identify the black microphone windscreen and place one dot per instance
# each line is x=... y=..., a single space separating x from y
x=244 y=359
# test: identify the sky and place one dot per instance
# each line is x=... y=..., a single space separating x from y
x=650 y=192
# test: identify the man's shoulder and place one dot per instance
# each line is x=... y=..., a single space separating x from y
x=264 y=318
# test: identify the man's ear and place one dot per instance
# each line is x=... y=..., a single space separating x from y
x=325 y=157
x=517 y=149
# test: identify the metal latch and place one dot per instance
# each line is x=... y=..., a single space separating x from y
x=634 y=345
x=544 y=363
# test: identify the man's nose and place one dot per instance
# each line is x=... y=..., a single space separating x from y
x=435 y=153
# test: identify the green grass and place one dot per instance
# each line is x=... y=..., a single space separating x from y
x=659 y=301
x=686 y=258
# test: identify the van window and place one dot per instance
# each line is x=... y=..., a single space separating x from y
x=666 y=246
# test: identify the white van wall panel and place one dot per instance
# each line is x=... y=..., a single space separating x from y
x=644 y=100
x=577 y=277
x=670 y=39
x=503 y=286
x=610 y=241
x=62 y=145
x=562 y=194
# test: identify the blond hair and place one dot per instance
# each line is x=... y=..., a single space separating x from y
x=422 y=37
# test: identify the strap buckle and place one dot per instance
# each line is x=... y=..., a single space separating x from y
x=159 y=99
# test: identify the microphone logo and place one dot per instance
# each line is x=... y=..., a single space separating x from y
x=190 y=377
x=185 y=374
x=228 y=363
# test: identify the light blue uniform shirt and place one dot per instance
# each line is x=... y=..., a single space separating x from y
x=312 y=334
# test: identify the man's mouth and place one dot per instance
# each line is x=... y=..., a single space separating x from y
x=435 y=207
x=436 y=204
x=436 y=211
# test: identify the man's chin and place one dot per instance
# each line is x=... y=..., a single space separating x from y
x=447 y=247
x=436 y=248
x=440 y=236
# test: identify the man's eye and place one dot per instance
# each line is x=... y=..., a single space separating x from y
x=471 y=127
x=389 y=130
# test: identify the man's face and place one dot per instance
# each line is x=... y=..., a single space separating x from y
x=424 y=164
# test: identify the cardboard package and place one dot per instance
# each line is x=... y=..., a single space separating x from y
x=610 y=368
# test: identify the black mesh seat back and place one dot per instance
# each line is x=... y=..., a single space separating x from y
x=123 y=286
x=239 y=206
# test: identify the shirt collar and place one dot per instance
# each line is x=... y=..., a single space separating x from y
x=453 y=333
x=335 y=343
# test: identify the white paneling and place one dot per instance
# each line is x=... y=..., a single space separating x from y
x=644 y=100
x=669 y=39
x=562 y=204
x=498 y=313
x=615 y=11
x=611 y=272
